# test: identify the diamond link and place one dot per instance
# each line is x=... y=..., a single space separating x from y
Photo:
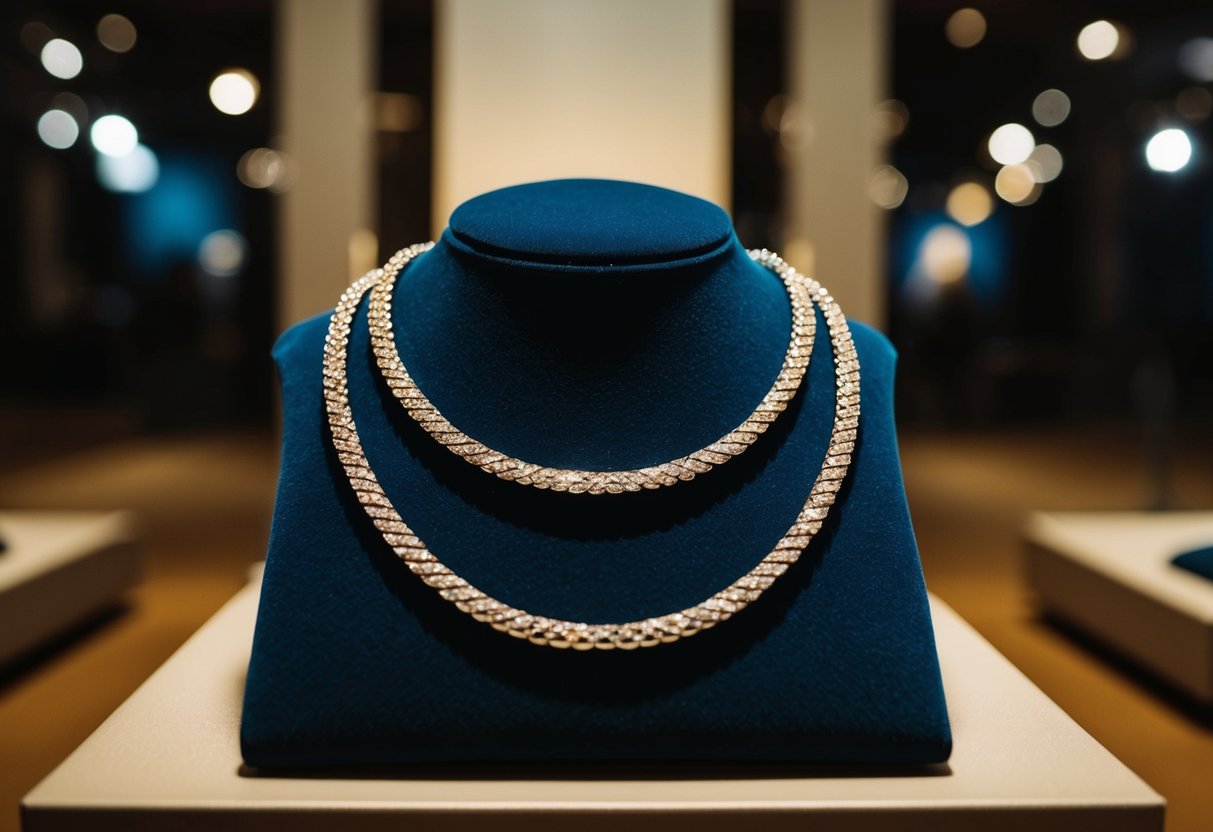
x=421 y=410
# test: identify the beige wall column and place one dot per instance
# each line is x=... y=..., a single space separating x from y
x=837 y=76
x=541 y=89
x=326 y=54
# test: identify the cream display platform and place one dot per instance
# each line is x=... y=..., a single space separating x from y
x=58 y=569
x=1110 y=574
x=169 y=758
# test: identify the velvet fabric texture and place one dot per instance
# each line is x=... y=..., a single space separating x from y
x=589 y=324
x=1198 y=562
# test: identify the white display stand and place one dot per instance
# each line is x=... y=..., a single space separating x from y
x=1110 y=573
x=169 y=759
x=60 y=568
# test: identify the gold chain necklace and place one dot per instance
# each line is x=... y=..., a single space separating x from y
x=732 y=444
x=556 y=632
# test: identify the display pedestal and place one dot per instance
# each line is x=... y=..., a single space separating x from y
x=59 y=568
x=169 y=758
x=1110 y=573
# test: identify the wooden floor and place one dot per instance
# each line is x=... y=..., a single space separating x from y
x=206 y=505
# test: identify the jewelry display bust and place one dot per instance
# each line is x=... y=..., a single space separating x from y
x=592 y=325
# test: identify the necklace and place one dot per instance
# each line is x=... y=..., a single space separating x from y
x=506 y=467
x=579 y=635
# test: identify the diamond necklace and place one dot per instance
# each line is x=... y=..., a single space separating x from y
x=554 y=632
x=732 y=444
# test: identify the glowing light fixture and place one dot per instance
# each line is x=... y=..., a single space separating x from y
x=965 y=28
x=58 y=129
x=221 y=253
x=131 y=173
x=234 y=91
x=945 y=254
x=116 y=33
x=62 y=59
x=1017 y=185
x=1098 y=41
x=1011 y=144
x=1051 y=108
x=888 y=187
x=113 y=136
x=1169 y=150
x=969 y=203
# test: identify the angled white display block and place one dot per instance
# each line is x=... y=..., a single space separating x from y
x=59 y=568
x=1110 y=573
x=169 y=758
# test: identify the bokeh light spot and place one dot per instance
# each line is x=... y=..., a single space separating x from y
x=1051 y=108
x=969 y=203
x=1099 y=40
x=1169 y=150
x=1017 y=184
x=221 y=253
x=116 y=33
x=888 y=187
x=62 y=59
x=113 y=135
x=965 y=28
x=1011 y=144
x=131 y=173
x=234 y=91
x=946 y=254
x=58 y=129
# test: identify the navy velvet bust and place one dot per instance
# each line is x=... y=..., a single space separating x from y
x=555 y=323
x=1198 y=561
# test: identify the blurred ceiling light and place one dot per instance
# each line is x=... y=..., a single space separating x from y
x=969 y=203
x=1017 y=185
x=34 y=36
x=261 y=167
x=1099 y=40
x=62 y=59
x=1045 y=163
x=132 y=173
x=397 y=112
x=116 y=33
x=1194 y=104
x=965 y=28
x=113 y=136
x=1169 y=150
x=1011 y=144
x=72 y=104
x=1196 y=58
x=234 y=91
x=945 y=254
x=221 y=253
x=58 y=129
x=1051 y=108
x=888 y=187
x=890 y=119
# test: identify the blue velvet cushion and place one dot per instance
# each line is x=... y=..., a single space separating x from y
x=550 y=321
x=1198 y=561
